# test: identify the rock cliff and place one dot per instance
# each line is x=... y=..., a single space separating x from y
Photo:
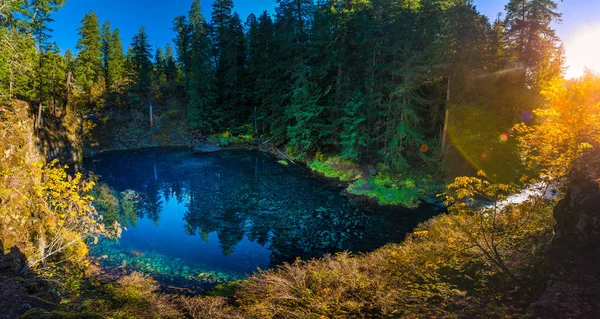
x=573 y=287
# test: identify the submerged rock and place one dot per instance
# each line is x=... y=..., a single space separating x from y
x=206 y=148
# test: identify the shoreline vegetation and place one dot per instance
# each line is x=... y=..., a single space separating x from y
x=372 y=182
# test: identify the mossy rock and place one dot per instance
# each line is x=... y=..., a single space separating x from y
x=37 y=313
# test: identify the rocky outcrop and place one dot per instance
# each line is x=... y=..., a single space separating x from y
x=573 y=287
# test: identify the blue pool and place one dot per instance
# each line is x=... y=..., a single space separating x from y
x=197 y=220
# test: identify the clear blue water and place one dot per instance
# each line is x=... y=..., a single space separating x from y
x=204 y=219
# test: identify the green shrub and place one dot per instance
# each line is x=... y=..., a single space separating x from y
x=386 y=188
x=386 y=192
x=227 y=139
x=335 y=167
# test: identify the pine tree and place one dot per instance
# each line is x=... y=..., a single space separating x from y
x=307 y=128
x=202 y=114
x=17 y=55
x=105 y=39
x=261 y=59
x=404 y=133
x=112 y=58
x=354 y=137
x=58 y=73
x=170 y=66
x=160 y=66
x=88 y=69
x=69 y=71
x=182 y=44
x=345 y=13
x=37 y=12
x=293 y=21
x=221 y=23
x=530 y=35
x=129 y=70
x=116 y=61
x=141 y=63
x=238 y=73
x=461 y=55
x=292 y=29
x=229 y=55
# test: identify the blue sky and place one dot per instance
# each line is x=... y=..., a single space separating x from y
x=157 y=17
x=129 y=15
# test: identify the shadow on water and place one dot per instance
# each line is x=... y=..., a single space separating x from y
x=203 y=219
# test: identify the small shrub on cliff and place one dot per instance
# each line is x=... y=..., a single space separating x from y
x=45 y=213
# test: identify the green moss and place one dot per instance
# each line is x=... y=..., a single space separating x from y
x=282 y=162
x=405 y=195
x=335 y=167
x=386 y=187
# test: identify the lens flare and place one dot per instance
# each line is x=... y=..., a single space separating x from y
x=526 y=116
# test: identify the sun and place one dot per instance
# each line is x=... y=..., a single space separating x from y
x=583 y=51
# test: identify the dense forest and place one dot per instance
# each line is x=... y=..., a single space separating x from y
x=388 y=82
x=400 y=98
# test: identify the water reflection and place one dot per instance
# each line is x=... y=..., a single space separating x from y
x=209 y=218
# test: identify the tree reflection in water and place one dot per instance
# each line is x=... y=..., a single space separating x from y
x=238 y=195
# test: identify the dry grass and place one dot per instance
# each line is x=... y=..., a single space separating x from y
x=133 y=296
x=207 y=308
x=340 y=285
x=434 y=273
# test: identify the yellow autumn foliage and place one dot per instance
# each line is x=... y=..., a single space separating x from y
x=568 y=124
x=44 y=212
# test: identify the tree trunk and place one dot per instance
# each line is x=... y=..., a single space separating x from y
x=446 y=117
x=339 y=79
x=41 y=90
x=255 y=123
x=53 y=100
x=10 y=90
x=39 y=117
x=151 y=119
x=81 y=129
x=69 y=75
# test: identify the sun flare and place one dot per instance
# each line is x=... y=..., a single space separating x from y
x=583 y=51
